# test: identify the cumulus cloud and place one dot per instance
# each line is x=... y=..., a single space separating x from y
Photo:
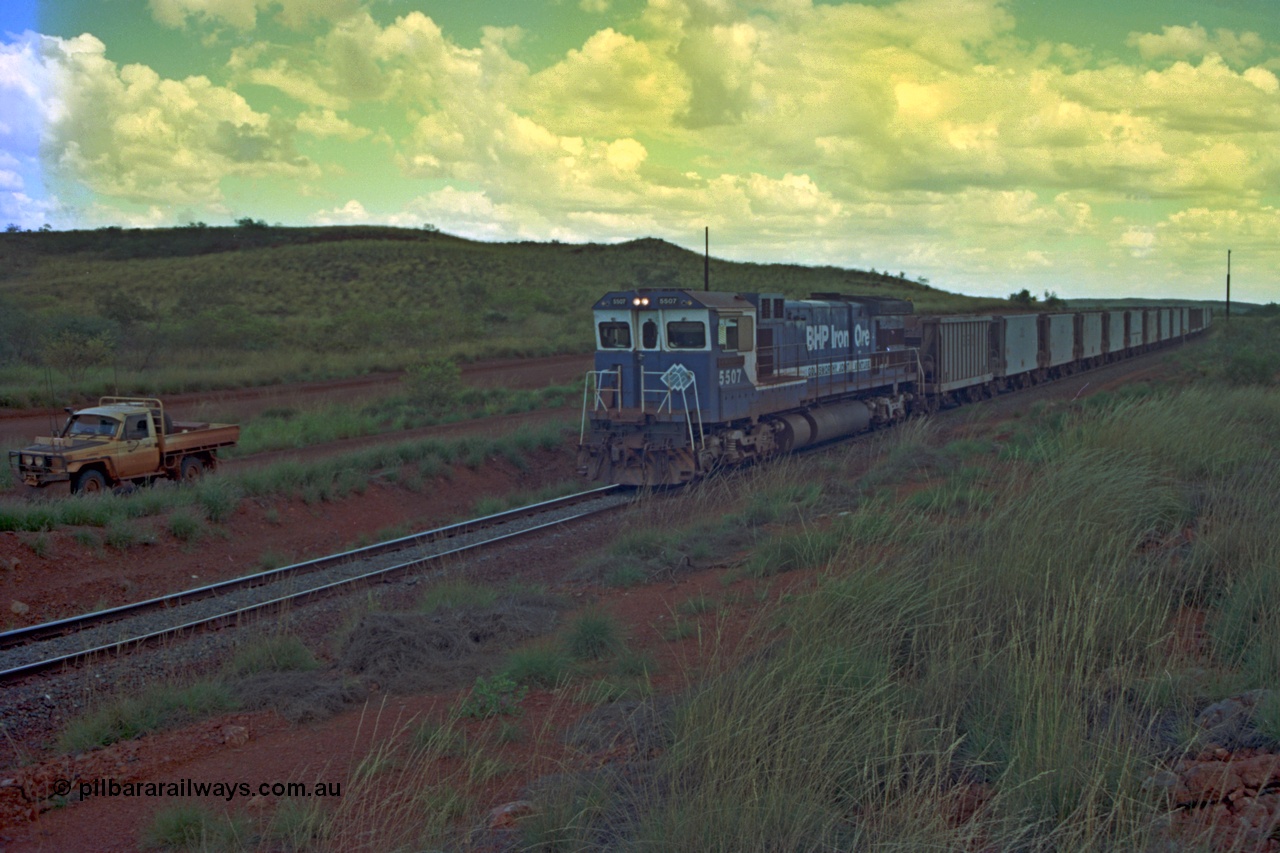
x=615 y=83
x=327 y=123
x=127 y=133
x=1195 y=42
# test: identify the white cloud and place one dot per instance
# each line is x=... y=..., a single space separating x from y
x=351 y=213
x=127 y=133
x=327 y=123
x=1140 y=241
x=1194 y=42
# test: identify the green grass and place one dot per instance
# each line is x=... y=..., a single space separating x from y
x=296 y=304
x=494 y=504
x=626 y=575
x=195 y=827
x=457 y=593
x=122 y=534
x=545 y=666
x=298 y=825
x=219 y=496
x=1007 y=625
x=444 y=739
x=593 y=635
x=282 y=429
x=128 y=717
x=280 y=653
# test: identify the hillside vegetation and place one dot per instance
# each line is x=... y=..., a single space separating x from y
x=167 y=310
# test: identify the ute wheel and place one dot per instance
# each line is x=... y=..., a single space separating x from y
x=89 y=482
x=191 y=469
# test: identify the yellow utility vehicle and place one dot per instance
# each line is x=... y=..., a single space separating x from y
x=122 y=440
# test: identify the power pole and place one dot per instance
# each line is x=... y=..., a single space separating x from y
x=1228 y=286
x=706 y=260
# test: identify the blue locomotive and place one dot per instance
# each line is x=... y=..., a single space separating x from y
x=685 y=382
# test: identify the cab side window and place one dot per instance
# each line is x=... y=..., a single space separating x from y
x=135 y=428
x=734 y=334
x=686 y=334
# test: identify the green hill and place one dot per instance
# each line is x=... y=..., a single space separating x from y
x=162 y=310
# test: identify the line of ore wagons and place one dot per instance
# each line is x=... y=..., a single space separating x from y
x=966 y=356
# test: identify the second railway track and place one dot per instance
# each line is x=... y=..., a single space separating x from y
x=28 y=650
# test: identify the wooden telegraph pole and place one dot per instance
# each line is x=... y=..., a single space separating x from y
x=1228 y=287
x=706 y=260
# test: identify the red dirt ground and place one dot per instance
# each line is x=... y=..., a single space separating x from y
x=71 y=577
x=263 y=747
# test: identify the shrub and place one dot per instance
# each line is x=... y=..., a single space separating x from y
x=435 y=384
x=592 y=636
x=272 y=654
x=129 y=716
x=495 y=696
x=456 y=593
x=543 y=666
x=185 y=526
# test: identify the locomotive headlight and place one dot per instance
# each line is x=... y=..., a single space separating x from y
x=644 y=301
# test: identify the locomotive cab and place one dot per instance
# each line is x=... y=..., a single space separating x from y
x=668 y=363
x=687 y=381
x=661 y=355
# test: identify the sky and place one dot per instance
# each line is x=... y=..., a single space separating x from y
x=1088 y=147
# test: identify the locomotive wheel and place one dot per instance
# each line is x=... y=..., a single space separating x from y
x=191 y=470
x=89 y=482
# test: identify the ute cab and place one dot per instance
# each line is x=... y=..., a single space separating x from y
x=121 y=440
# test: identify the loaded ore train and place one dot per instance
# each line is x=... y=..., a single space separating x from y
x=686 y=382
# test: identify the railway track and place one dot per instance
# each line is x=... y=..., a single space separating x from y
x=27 y=650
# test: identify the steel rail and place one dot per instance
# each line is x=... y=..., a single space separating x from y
x=36 y=633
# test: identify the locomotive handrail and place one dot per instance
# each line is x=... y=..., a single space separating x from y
x=593 y=399
x=593 y=386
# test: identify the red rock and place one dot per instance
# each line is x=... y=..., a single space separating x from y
x=1257 y=772
x=235 y=735
x=1207 y=783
